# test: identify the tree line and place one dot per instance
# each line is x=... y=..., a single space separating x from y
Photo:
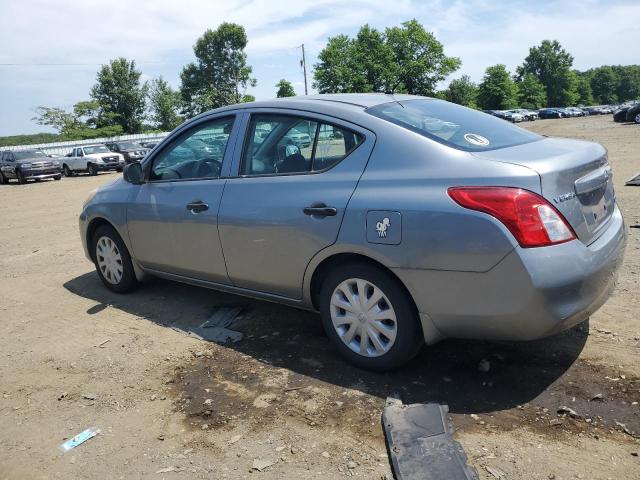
x=400 y=59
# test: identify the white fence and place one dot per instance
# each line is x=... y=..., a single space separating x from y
x=62 y=148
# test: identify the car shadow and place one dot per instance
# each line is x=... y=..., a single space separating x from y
x=292 y=339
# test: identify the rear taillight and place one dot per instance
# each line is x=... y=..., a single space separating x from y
x=528 y=216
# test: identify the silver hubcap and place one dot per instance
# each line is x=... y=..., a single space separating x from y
x=363 y=317
x=637 y=118
x=109 y=260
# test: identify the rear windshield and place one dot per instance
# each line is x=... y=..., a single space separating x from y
x=453 y=125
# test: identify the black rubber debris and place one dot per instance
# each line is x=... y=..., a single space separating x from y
x=420 y=443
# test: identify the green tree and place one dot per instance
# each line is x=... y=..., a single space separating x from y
x=402 y=59
x=334 y=71
x=497 y=91
x=551 y=65
x=373 y=63
x=420 y=62
x=604 y=83
x=531 y=93
x=120 y=95
x=583 y=87
x=628 y=82
x=461 y=91
x=220 y=75
x=164 y=104
x=285 y=89
x=81 y=122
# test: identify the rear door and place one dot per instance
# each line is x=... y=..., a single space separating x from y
x=294 y=176
x=173 y=217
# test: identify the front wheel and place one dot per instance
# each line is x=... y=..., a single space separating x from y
x=369 y=316
x=57 y=177
x=3 y=179
x=112 y=261
x=21 y=178
x=637 y=118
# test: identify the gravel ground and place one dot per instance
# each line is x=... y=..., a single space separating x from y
x=74 y=356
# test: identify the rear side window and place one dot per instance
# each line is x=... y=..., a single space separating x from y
x=453 y=125
x=286 y=144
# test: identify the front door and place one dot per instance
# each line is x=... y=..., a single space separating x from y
x=295 y=176
x=173 y=218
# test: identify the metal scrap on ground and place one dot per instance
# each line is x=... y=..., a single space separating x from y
x=215 y=328
x=420 y=443
x=634 y=181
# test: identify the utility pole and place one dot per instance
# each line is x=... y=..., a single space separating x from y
x=304 y=68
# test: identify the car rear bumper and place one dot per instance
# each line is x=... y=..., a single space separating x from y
x=529 y=294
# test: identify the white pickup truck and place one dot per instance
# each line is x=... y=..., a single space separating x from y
x=91 y=159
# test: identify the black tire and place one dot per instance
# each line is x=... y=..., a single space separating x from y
x=21 y=178
x=119 y=169
x=3 y=179
x=409 y=336
x=67 y=171
x=57 y=177
x=636 y=118
x=128 y=282
x=92 y=169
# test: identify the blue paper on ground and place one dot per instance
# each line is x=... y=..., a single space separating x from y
x=79 y=439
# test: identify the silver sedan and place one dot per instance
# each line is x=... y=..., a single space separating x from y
x=403 y=220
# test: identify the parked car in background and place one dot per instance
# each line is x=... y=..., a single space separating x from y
x=512 y=116
x=550 y=113
x=130 y=151
x=528 y=115
x=91 y=159
x=397 y=230
x=24 y=165
x=149 y=145
x=620 y=115
x=576 y=112
x=633 y=113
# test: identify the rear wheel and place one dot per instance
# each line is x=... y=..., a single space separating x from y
x=369 y=317
x=112 y=261
x=637 y=118
x=67 y=171
x=92 y=169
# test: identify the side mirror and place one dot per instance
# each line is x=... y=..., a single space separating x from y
x=133 y=173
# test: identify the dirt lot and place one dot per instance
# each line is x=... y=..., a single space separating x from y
x=73 y=356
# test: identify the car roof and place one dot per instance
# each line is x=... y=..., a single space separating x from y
x=360 y=100
x=348 y=106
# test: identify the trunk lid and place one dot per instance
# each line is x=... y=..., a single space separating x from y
x=575 y=177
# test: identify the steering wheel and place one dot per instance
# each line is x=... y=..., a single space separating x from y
x=209 y=167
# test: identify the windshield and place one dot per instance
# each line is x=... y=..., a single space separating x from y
x=29 y=154
x=128 y=145
x=96 y=149
x=453 y=125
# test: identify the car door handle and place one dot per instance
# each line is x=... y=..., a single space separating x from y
x=197 y=206
x=320 y=210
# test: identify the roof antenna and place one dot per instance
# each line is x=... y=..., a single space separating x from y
x=391 y=92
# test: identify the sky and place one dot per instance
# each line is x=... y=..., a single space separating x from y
x=50 y=50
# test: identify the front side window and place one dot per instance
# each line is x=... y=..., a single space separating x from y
x=453 y=125
x=197 y=153
x=286 y=144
